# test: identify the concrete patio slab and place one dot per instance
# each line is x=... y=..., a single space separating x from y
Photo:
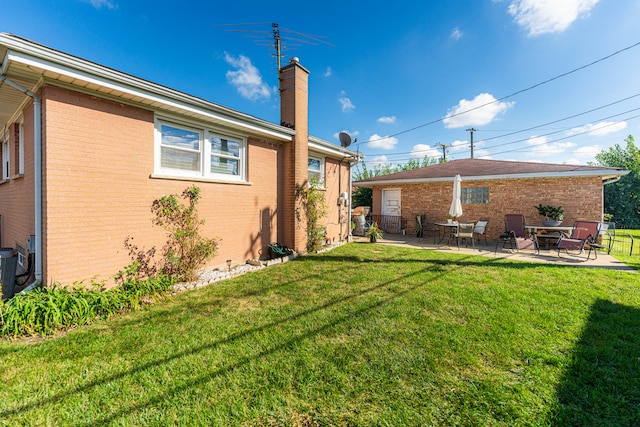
x=545 y=256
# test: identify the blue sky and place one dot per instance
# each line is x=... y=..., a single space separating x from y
x=540 y=80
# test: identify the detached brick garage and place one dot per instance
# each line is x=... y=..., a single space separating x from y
x=491 y=189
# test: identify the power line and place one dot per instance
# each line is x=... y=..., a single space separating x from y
x=522 y=149
x=569 y=136
x=542 y=125
x=514 y=93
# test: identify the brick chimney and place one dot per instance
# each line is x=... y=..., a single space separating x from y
x=294 y=113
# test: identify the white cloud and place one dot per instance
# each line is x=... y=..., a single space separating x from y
x=345 y=102
x=481 y=154
x=246 y=79
x=599 y=129
x=379 y=161
x=481 y=110
x=549 y=16
x=99 y=4
x=382 y=142
x=328 y=72
x=541 y=147
x=456 y=34
x=589 y=152
x=420 y=150
x=387 y=119
x=459 y=145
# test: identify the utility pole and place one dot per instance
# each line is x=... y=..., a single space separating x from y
x=472 y=130
x=444 y=151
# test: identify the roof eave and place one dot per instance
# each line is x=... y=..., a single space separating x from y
x=602 y=173
x=41 y=57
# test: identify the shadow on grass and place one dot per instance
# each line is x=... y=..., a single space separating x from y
x=602 y=385
x=205 y=376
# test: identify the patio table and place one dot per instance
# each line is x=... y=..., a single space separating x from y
x=446 y=229
x=553 y=235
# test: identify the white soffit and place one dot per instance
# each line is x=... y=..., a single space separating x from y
x=117 y=84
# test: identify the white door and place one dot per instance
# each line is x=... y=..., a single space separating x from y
x=391 y=202
x=391 y=210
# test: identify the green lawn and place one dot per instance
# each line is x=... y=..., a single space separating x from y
x=361 y=335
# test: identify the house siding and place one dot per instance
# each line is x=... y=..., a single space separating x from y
x=581 y=198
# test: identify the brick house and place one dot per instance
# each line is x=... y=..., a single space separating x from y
x=491 y=189
x=86 y=149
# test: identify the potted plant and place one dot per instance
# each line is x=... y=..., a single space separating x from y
x=553 y=214
x=374 y=233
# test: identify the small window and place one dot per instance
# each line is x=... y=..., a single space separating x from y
x=316 y=170
x=225 y=155
x=475 y=196
x=180 y=148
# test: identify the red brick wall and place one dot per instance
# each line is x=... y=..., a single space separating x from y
x=581 y=198
x=16 y=194
x=336 y=182
x=98 y=186
x=294 y=110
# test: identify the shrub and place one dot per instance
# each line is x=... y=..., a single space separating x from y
x=313 y=209
x=186 y=250
x=45 y=311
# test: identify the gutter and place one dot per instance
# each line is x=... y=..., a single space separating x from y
x=611 y=181
x=37 y=172
x=569 y=174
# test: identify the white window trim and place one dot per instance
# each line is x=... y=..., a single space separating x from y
x=6 y=156
x=322 y=162
x=21 y=148
x=205 y=133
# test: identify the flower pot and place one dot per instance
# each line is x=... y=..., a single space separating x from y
x=551 y=222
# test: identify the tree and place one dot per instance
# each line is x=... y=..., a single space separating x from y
x=363 y=196
x=622 y=198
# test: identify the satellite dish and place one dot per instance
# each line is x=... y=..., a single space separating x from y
x=345 y=139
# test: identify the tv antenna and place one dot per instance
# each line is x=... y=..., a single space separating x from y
x=279 y=38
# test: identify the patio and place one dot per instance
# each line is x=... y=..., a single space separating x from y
x=546 y=256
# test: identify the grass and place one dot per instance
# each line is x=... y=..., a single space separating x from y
x=362 y=335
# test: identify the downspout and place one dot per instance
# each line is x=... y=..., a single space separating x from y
x=37 y=172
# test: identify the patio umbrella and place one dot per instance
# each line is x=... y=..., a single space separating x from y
x=456 y=206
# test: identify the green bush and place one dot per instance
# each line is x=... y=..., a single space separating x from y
x=45 y=311
x=185 y=250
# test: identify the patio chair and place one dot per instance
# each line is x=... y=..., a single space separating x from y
x=481 y=230
x=583 y=236
x=516 y=234
x=465 y=231
x=425 y=228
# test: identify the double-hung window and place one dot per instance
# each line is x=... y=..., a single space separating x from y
x=316 y=170
x=191 y=151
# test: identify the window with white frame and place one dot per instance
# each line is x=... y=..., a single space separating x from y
x=316 y=170
x=190 y=151
x=6 y=158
